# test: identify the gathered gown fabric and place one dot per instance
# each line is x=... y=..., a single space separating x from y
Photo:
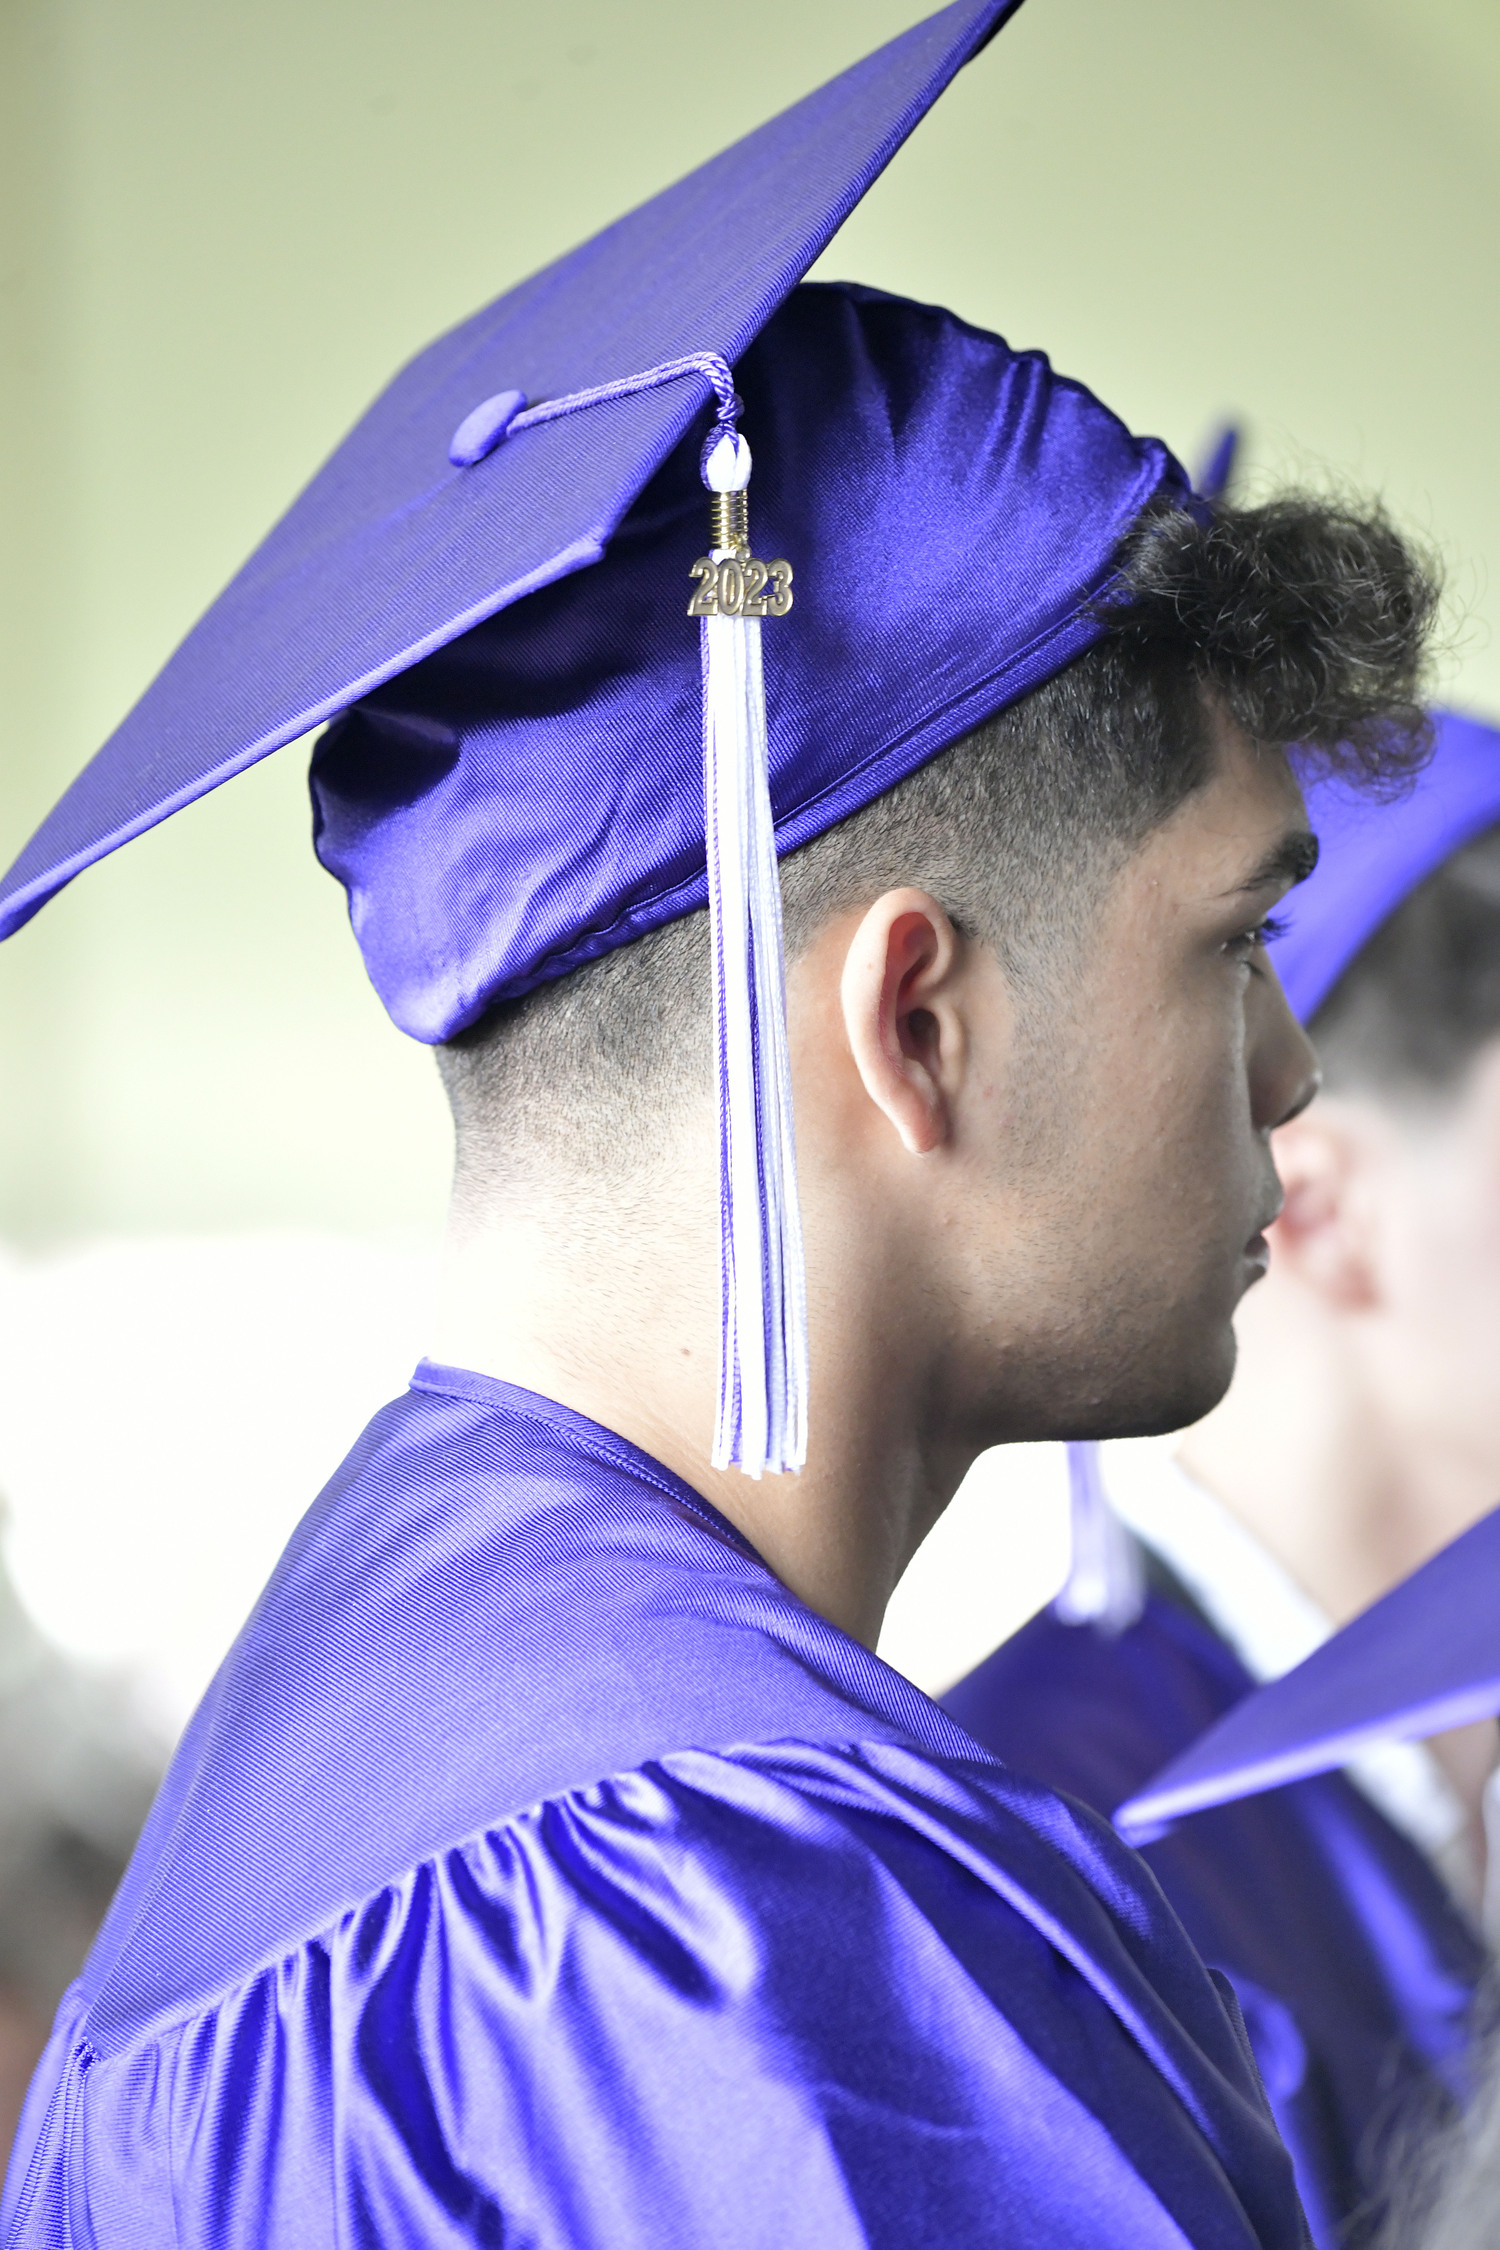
x=539 y=1871
x=1354 y=1970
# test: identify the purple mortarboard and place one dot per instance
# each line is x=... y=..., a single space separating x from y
x=1216 y=475
x=1372 y=856
x=535 y=757
x=1426 y=1656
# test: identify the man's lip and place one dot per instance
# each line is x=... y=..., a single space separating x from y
x=1257 y=1247
x=1258 y=1252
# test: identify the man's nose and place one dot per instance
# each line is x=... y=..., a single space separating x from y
x=1284 y=1073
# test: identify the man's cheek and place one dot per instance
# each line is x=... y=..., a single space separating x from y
x=1206 y=1182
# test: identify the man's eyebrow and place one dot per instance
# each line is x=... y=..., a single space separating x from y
x=1291 y=860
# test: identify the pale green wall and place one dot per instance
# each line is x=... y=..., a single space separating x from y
x=225 y=225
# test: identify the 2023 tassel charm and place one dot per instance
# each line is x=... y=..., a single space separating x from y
x=763 y=1365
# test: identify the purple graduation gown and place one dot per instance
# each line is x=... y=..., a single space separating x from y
x=538 y=1871
x=1354 y=1970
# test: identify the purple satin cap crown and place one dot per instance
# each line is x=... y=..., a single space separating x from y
x=1374 y=855
x=532 y=795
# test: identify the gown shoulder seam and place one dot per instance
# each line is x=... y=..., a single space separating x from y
x=171 y=2020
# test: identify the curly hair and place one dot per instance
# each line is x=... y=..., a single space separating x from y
x=1308 y=620
x=1312 y=619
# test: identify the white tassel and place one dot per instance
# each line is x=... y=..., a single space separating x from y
x=1105 y=1586
x=763 y=1377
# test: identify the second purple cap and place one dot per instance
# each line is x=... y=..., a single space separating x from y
x=1375 y=855
x=1423 y=1658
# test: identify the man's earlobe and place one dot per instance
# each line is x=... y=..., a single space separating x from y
x=1322 y=1235
x=904 y=1031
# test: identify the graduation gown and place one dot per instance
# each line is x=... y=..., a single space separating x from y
x=539 y=1871
x=1353 y=1967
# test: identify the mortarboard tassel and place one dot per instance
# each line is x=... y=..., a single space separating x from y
x=1104 y=1586
x=763 y=1374
x=762 y=1411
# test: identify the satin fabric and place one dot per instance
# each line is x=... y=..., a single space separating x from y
x=539 y=1871
x=1353 y=1968
x=531 y=796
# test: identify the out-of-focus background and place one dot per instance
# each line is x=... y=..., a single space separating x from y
x=221 y=229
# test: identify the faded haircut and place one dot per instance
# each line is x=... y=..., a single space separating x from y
x=1421 y=998
x=1307 y=619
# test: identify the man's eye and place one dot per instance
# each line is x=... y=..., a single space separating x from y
x=1262 y=934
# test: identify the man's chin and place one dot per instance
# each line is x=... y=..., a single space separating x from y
x=1139 y=1375
x=1170 y=1395
x=1186 y=1400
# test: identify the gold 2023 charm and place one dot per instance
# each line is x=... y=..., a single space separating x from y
x=740 y=585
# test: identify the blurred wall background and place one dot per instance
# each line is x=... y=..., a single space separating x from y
x=223 y=228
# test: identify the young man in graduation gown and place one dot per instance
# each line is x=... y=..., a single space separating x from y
x=1360 y=1435
x=1421 y=1661
x=552 y=1862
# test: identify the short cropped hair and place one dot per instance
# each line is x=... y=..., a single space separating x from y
x=1411 y=1013
x=1309 y=620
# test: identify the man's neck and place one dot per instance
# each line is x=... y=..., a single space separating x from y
x=629 y=1338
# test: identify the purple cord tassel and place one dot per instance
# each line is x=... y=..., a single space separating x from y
x=763 y=1377
x=1105 y=1586
x=763 y=1367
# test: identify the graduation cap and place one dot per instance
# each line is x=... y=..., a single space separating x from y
x=1372 y=856
x=1424 y=1657
x=1216 y=474
x=536 y=756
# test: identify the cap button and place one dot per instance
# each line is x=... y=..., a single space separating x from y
x=481 y=431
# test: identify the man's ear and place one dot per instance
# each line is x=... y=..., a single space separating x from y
x=1324 y=1234
x=905 y=1032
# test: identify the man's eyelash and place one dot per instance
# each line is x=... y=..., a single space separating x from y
x=1260 y=933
